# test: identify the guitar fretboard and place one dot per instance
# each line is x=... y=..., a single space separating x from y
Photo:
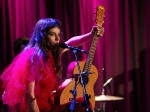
x=91 y=53
x=100 y=10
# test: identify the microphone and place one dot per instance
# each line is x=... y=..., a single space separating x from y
x=108 y=81
x=63 y=45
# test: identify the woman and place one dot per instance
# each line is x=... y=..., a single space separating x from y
x=33 y=75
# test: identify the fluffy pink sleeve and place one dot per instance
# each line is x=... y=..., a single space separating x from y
x=17 y=76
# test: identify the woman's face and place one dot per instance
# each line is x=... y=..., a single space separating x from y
x=53 y=36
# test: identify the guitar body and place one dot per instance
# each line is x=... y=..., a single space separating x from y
x=64 y=91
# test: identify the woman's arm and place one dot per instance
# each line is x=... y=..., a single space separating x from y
x=30 y=98
x=79 y=40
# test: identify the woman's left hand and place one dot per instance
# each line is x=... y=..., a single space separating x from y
x=98 y=30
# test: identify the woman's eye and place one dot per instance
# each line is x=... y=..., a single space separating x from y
x=51 y=34
x=54 y=34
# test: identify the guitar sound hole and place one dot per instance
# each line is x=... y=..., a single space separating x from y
x=85 y=80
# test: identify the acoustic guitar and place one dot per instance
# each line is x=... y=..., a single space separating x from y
x=63 y=94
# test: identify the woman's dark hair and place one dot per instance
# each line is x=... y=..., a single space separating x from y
x=40 y=41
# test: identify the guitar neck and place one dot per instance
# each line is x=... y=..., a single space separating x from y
x=100 y=10
x=91 y=54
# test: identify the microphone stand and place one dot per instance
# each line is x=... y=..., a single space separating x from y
x=86 y=97
x=113 y=102
x=109 y=86
x=104 y=102
x=73 y=102
x=74 y=93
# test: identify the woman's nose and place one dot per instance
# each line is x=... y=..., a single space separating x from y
x=57 y=38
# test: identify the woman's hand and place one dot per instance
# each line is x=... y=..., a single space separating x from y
x=30 y=98
x=98 y=30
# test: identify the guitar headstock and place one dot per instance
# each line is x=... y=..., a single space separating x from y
x=100 y=11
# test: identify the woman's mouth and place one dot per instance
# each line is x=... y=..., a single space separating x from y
x=54 y=47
